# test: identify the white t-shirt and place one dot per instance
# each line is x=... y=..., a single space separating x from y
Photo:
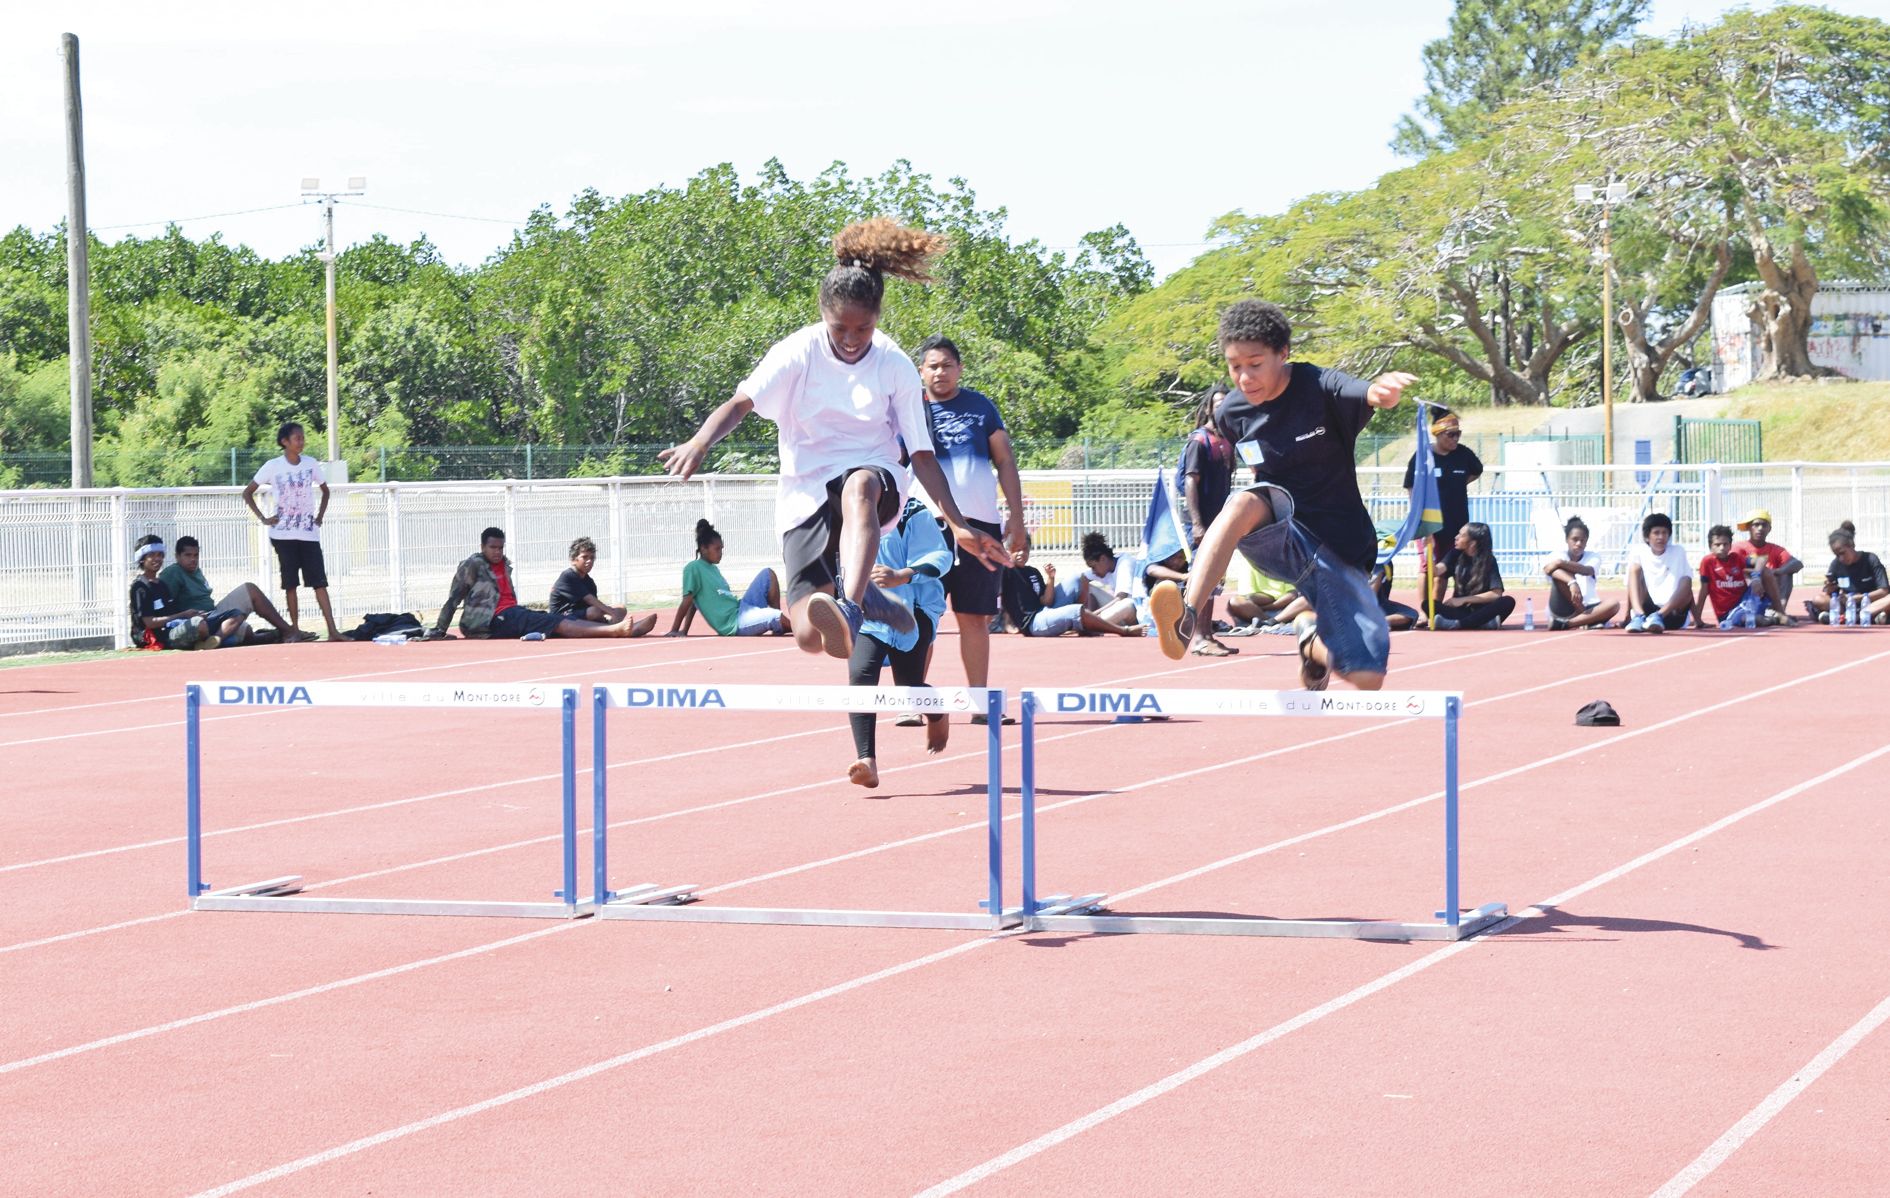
x=1585 y=583
x=298 y=497
x=1664 y=574
x=833 y=415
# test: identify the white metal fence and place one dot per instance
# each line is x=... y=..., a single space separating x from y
x=65 y=556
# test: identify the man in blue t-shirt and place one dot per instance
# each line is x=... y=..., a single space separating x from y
x=974 y=451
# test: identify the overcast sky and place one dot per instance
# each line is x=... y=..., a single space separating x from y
x=1072 y=114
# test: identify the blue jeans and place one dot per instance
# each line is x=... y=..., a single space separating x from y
x=754 y=617
x=1350 y=621
x=1055 y=621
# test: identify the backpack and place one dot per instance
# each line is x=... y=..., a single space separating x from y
x=382 y=623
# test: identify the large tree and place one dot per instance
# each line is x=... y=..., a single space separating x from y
x=1496 y=52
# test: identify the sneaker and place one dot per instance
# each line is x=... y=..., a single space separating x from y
x=1174 y=619
x=909 y=721
x=1312 y=675
x=1557 y=624
x=1654 y=624
x=210 y=642
x=1813 y=614
x=1637 y=623
x=1444 y=623
x=985 y=720
x=837 y=621
x=880 y=605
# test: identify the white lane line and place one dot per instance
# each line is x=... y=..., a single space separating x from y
x=588 y=1071
x=1755 y=1119
x=359 y=979
x=1234 y=1052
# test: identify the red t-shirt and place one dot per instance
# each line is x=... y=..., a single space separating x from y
x=506 y=597
x=1774 y=555
x=1725 y=581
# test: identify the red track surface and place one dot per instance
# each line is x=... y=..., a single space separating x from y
x=1608 y=1040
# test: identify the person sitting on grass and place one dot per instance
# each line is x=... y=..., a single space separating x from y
x=1852 y=572
x=1659 y=579
x=192 y=590
x=575 y=592
x=484 y=584
x=1573 y=600
x=1725 y=580
x=1476 y=599
x=1026 y=600
x=1774 y=564
x=158 y=620
x=755 y=612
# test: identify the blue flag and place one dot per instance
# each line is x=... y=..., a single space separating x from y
x=1161 y=531
x=1427 y=511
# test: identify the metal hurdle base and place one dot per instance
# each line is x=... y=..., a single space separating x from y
x=283 y=894
x=1472 y=922
x=679 y=904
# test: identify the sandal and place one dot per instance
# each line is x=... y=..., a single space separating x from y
x=1209 y=647
x=1312 y=675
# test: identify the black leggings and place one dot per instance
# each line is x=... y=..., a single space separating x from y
x=1482 y=615
x=908 y=669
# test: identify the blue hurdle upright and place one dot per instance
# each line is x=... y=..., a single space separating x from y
x=282 y=894
x=1060 y=915
x=651 y=900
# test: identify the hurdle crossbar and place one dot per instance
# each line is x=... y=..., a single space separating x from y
x=282 y=894
x=652 y=901
x=1062 y=915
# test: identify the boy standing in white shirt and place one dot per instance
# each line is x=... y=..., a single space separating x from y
x=1659 y=579
x=843 y=396
x=301 y=490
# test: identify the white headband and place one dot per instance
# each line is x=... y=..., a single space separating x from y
x=146 y=550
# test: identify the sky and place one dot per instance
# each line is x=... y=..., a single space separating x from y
x=1073 y=116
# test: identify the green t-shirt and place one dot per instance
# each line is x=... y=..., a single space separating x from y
x=189 y=588
x=718 y=605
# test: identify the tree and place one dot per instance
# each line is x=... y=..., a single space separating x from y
x=1497 y=51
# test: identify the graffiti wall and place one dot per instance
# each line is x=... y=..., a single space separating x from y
x=1850 y=333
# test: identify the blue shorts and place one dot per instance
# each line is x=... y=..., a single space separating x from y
x=1055 y=621
x=755 y=617
x=1350 y=621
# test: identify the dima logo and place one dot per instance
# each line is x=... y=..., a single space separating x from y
x=672 y=696
x=263 y=696
x=1107 y=702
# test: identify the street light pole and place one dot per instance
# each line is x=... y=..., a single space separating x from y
x=1607 y=196
x=312 y=189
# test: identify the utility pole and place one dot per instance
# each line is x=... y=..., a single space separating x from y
x=78 y=271
x=1607 y=196
x=312 y=189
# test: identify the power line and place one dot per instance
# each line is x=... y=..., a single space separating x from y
x=489 y=220
x=180 y=220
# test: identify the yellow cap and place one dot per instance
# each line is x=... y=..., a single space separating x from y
x=1757 y=513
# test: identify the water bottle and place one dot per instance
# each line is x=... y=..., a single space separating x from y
x=1857 y=611
x=391 y=638
x=1838 y=602
x=1529 y=614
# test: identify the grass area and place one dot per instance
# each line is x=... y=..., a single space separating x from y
x=1818 y=422
x=59 y=659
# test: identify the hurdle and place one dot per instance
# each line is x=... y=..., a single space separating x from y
x=1057 y=915
x=653 y=901
x=282 y=894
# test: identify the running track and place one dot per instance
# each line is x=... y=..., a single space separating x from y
x=1694 y=1004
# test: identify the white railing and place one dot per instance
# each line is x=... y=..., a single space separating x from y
x=65 y=556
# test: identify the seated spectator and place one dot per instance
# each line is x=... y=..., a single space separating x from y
x=1573 y=598
x=158 y=620
x=1398 y=616
x=191 y=589
x=1659 y=580
x=755 y=612
x=1725 y=579
x=1111 y=581
x=1852 y=572
x=1260 y=599
x=484 y=584
x=1780 y=568
x=1476 y=599
x=575 y=592
x=1024 y=597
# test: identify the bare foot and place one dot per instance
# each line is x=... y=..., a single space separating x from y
x=641 y=625
x=1207 y=646
x=938 y=730
x=864 y=772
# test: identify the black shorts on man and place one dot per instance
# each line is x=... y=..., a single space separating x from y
x=300 y=560
x=974 y=588
x=811 y=549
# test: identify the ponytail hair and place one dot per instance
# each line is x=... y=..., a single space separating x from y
x=705 y=535
x=1845 y=532
x=1574 y=522
x=1094 y=546
x=866 y=252
x=1473 y=573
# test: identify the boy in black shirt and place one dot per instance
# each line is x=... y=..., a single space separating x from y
x=1303 y=521
x=575 y=592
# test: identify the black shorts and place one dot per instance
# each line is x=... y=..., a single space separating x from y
x=974 y=588
x=811 y=549
x=515 y=622
x=301 y=563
